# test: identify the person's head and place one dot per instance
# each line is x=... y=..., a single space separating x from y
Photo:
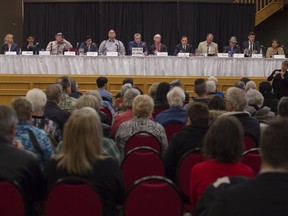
x=184 y=40
x=210 y=87
x=236 y=99
x=8 y=38
x=74 y=85
x=128 y=80
x=197 y=114
x=152 y=91
x=137 y=38
x=175 y=83
x=251 y=36
x=245 y=80
x=217 y=103
x=101 y=82
x=30 y=39
x=65 y=83
x=82 y=142
x=176 y=97
x=23 y=108
x=273 y=145
x=275 y=43
x=209 y=38
x=95 y=94
x=250 y=85
x=124 y=88
x=111 y=34
x=8 y=122
x=59 y=37
x=240 y=85
x=282 y=108
x=255 y=98
x=88 y=101
x=53 y=93
x=88 y=40
x=224 y=140
x=284 y=65
x=129 y=96
x=200 y=87
x=157 y=38
x=233 y=41
x=142 y=106
x=265 y=88
x=38 y=98
x=214 y=79
x=162 y=91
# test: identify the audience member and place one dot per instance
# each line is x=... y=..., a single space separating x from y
x=240 y=85
x=178 y=83
x=269 y=99
x=152 y=91
x=223 y=147
x=217 y=107
x=125 y=81
x=142 y=109
x=161 y=96
x=250 y=85
x=283 y=107
x=210 y=89
x=118 y=103
x=213 y=78
x=102 y=85
x=74 y=89
x=82 y=139
x=189 y=138
x=245 y=80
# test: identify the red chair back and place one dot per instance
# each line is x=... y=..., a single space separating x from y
x=11 y=199
x=141 y=139
x=141 y=162
x=73 y=199
x=153 y=196
x=252 y=159
x=249 y=142
x=107 y=113
x=172 y=128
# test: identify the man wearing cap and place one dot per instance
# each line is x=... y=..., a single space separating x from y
x=58 y=46
x=232 y=47
x=111 y=45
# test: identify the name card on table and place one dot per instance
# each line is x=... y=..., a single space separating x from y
x=44 y=53
x=238 y=55
x=257 y=56
x=183 y=54
x=92 y=53
x=162 y=54
x=279 y=56
x=223 y=55
x=27 y=53
x=68 y=53
x=112 y=54
x=10 y=53
x=137 y=51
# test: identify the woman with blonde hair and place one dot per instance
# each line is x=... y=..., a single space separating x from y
x=9 y=45
x=82 y=155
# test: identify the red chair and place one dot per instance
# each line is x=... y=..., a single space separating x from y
x=252 y=159
x=140 y=139
x=107 y=113
x=73 y=197
x=186 y=163
x=141 y=162
x=153 y=196
x=157 y=111
x=11 y=199
x=171 y=128
x=249 y=142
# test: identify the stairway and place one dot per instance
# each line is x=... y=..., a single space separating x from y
x=264 y=8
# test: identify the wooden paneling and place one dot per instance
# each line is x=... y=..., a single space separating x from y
x=12 y=86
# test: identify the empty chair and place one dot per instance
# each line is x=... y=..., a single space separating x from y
x=108 y=113
x=73 y=196
x=252 y=159
x=171 y=128
x=153 y=196
x=141 y=162
x=142 y=138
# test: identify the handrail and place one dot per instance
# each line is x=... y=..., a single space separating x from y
x=260 y=4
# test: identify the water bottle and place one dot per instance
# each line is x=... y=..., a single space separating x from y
x=20 y=51
x=261 y=50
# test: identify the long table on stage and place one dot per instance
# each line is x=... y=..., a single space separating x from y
x=131 y=66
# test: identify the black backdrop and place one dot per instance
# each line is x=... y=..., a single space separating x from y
x=171 y=20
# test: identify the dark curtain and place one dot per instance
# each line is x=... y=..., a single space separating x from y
x=171 y=20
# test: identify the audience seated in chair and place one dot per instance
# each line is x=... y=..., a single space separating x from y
x=217 y=107
x=125 y=81
x=269 y=99
x=118 y=103
x=161 y=96
x=178 y=83
x=215 y=80
x=74 y=89
x=152 y=91
x=102 y=85
x=283 y=107
x=211 y=89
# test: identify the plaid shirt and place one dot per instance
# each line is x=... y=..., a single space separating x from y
x=67 y=103
x=110 y=148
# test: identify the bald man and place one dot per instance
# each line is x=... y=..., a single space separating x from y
x=208 y=46
x=157 y=46
x=112 y=45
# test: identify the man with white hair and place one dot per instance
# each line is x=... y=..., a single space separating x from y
x=215 y=80
x=176 y=112
x=157 y=46
x=236 y=105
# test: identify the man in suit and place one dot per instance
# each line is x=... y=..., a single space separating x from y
x=183 y=47
x=157 y=46
x=232 y=47
x=137 y=43
x=88 y=45
x=251 y=46
x=208 y=46
x=267 y=193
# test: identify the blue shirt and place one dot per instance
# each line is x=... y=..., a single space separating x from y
x=175 y=114
x=104 y=93
x=134 y=44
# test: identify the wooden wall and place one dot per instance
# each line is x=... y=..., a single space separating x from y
x=12 y=86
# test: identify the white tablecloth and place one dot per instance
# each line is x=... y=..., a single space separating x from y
x=128 y=65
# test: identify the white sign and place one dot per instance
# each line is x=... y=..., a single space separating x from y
x=137 y=51
x=223 y=55
x=68 y=53
x=10 y=53
x=27 y=53
x=44 y=53
x=162 y=54
x=92 y=53
x=183 y=54
x=279 y=56
x=257 y=56
x=112 y=54
x=238 y=55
